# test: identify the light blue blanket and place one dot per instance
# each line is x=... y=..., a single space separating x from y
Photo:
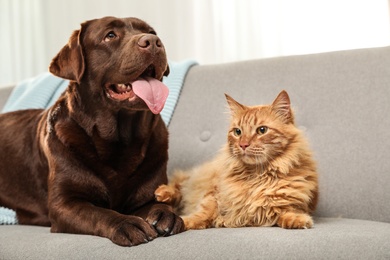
x=7 y=217
x=43 y=90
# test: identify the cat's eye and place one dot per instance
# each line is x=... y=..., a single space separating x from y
x=237 y=131
x=262 y=130
x=110 y=36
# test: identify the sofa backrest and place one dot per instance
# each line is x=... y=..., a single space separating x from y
x=341 y=100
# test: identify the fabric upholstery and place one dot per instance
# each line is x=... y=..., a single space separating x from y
x=329 y=239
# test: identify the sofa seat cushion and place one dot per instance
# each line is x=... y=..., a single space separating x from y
x=331 y=238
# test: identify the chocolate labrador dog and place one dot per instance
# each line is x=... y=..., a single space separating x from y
x=91 y=162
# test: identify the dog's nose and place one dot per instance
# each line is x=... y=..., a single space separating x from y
x=149 y=41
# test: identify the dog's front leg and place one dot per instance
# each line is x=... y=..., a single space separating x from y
x=79 y=201
x=85 y=218
x=80 y=208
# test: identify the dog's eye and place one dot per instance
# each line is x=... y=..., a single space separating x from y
x=110 y=36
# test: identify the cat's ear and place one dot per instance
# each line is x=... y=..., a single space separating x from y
x=235 y=107
x=282 y=107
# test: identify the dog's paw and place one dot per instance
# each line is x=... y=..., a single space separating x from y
x=132 y=231
x=165 y=194
x=291 y=220
x=164 y=220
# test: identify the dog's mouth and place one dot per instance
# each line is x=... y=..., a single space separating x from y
x=120 y=91
x=151 y=90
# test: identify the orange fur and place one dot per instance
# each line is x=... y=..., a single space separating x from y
x=263 y=176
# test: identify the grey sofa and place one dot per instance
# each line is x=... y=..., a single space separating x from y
x=342 y=101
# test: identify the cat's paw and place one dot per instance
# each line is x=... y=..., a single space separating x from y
x=193 y=223
x=165 y=194
x=291 y=220
x=219 y=222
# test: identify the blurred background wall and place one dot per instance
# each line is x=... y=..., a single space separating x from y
x=209 y=31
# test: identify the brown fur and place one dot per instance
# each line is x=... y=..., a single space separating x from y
x=90 y=163
x=257 y=179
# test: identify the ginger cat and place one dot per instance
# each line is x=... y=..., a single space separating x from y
x=263 y=176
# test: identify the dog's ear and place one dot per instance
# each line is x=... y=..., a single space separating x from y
x=166 y=73
x=69 y=62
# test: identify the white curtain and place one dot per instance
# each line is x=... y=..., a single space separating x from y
x=22 y=42
x=209 y=31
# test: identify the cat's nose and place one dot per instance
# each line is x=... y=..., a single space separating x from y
x=244 y=146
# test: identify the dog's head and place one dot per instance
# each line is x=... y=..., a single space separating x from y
x=121 y=61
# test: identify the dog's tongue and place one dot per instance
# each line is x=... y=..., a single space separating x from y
x=152 y=91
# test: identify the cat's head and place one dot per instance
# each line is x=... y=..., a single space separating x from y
x=260 y=134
